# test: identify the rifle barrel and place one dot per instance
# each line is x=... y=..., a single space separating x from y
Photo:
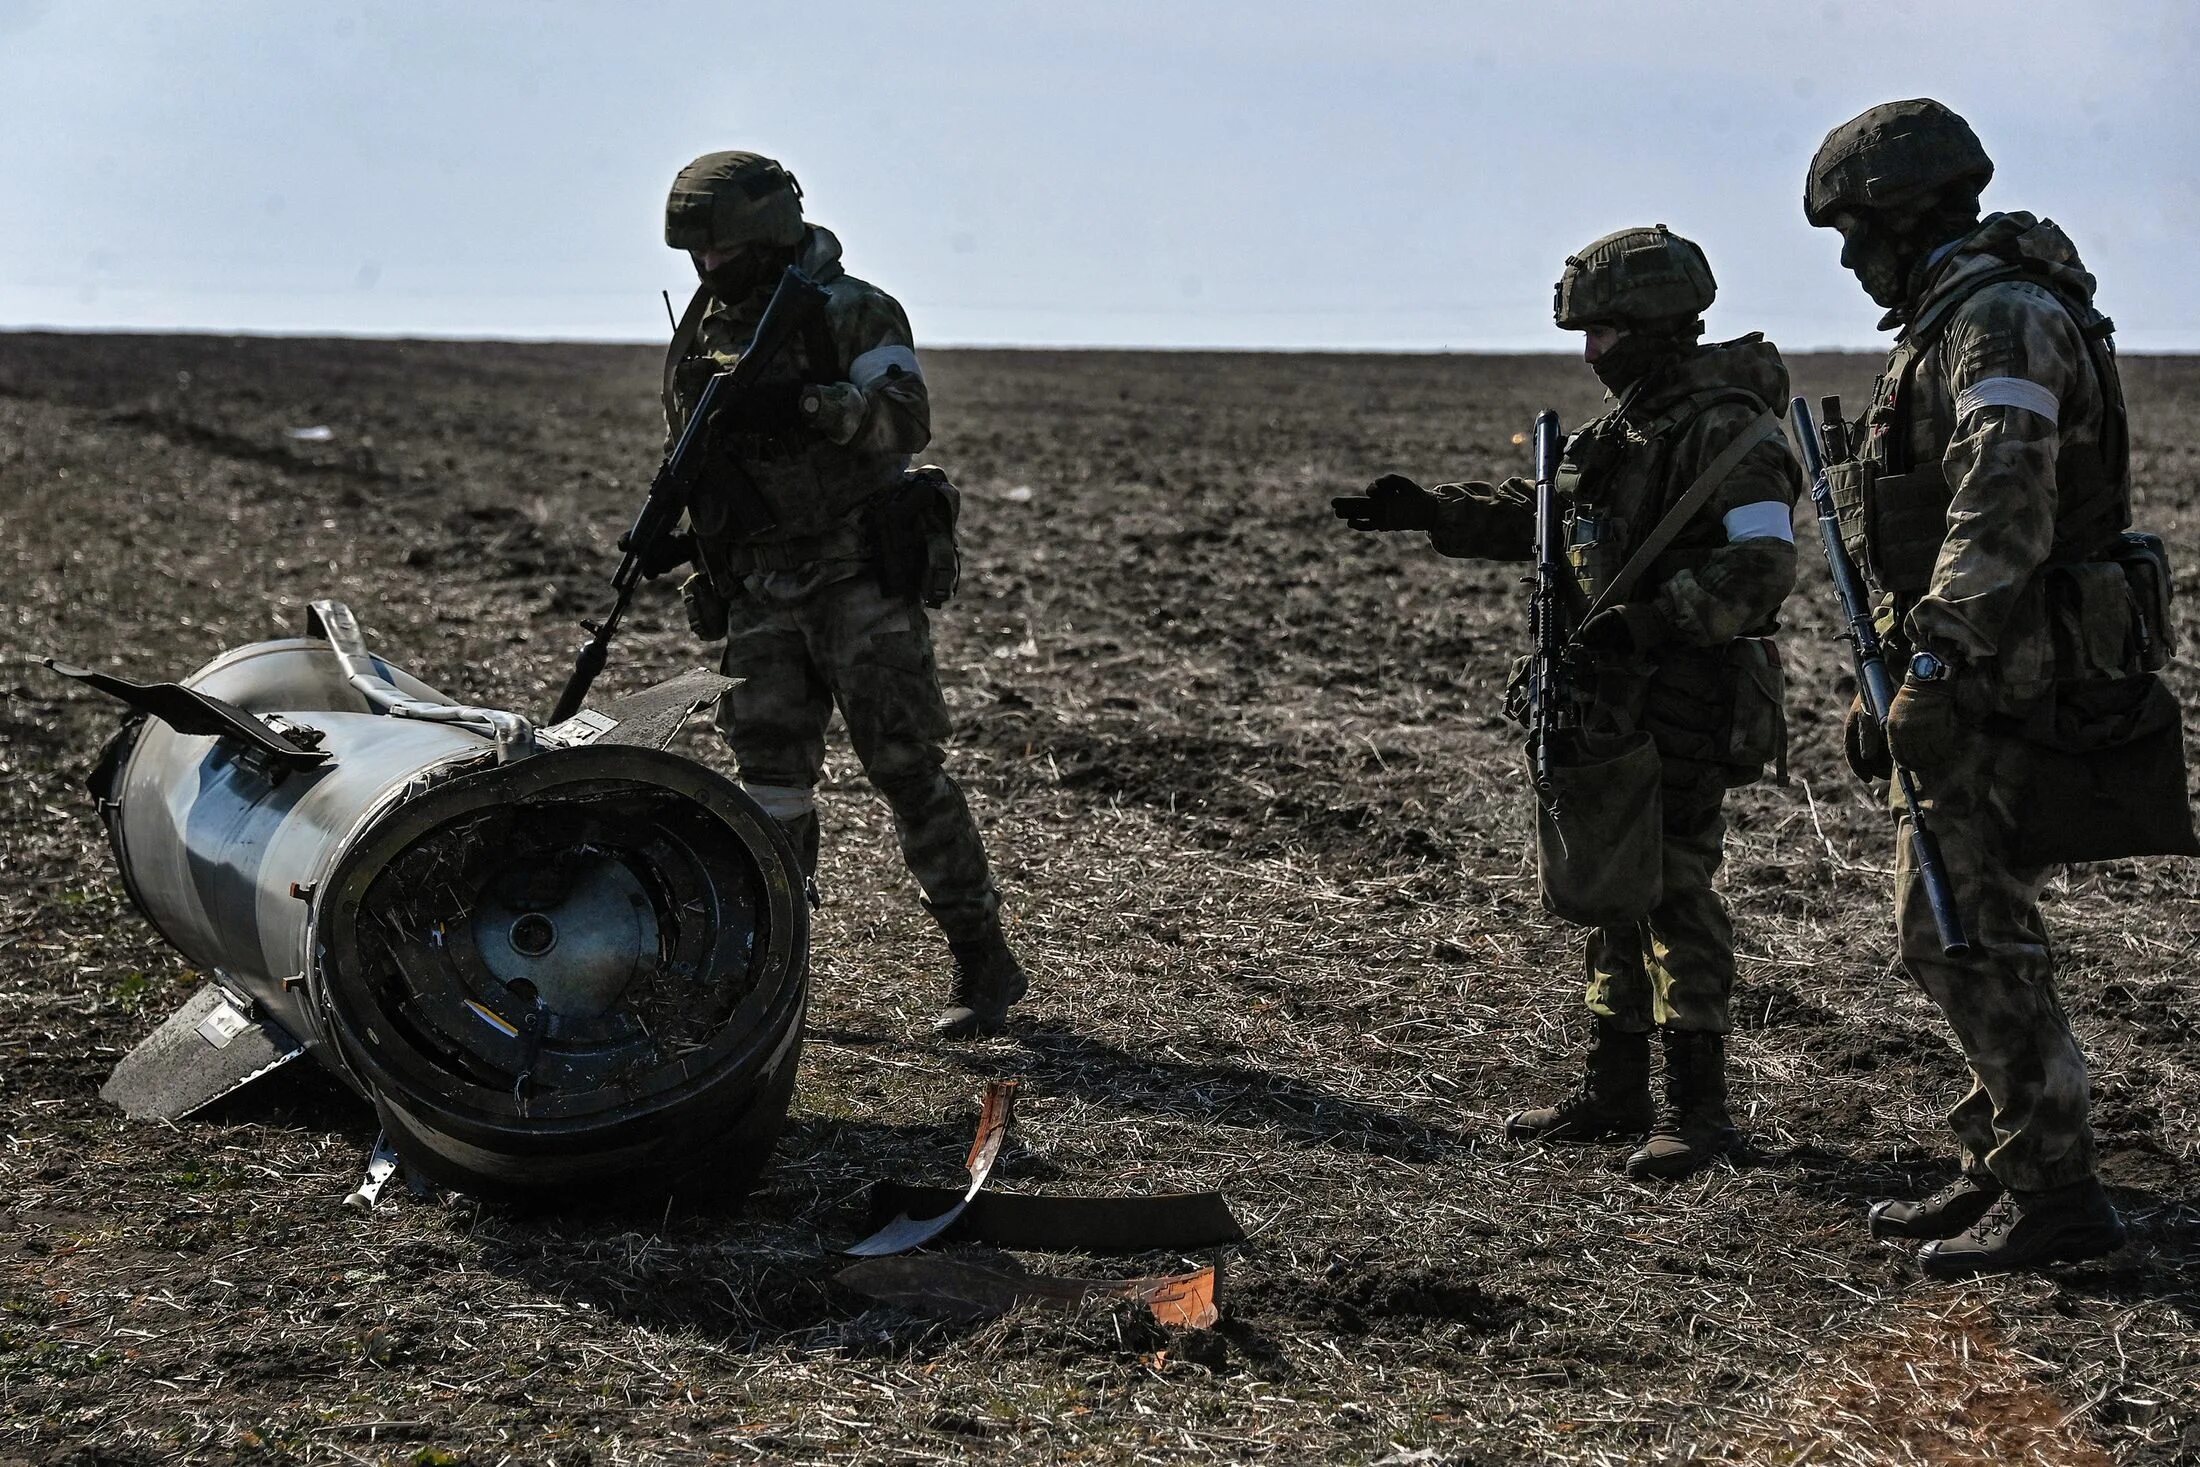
x=1874 y=681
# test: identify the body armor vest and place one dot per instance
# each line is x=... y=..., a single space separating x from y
x=1616 y=480
x=811 y=486
x=1893 y=501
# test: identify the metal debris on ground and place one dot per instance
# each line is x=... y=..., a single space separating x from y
x=904 y=1232
x=906 y=1217
x=381 y=1166
x=932 y=1283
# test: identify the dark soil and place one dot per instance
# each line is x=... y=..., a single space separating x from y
x=1264 y=834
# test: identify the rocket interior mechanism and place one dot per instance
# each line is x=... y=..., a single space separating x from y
x=552 y=958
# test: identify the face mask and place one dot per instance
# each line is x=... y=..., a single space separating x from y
x=1880 y=260
x=735 y=280
x=1634 y=357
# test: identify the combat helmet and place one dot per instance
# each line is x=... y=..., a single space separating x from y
x=1633 y=277
x=1892 y=155
x=732 y=201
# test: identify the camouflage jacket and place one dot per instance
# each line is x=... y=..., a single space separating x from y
x=2000 y=428
x=1727 y=571
x=874 y=412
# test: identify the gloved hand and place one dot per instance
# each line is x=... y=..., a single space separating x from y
x=1865 y=745
x=1922 y=730
x=669 y=553
x=1393 y=502
x=1632 y=626
x=707 y=611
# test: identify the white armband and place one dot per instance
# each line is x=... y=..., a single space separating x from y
x=882 y=362
x=2015 y=392
x=1767 y=519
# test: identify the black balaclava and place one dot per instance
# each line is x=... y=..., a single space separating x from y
x=746 y=274
x=1649 y=347
x=1887 y=252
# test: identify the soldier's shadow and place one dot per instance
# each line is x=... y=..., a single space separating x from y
x=1062 y=1060
x=746 y=1273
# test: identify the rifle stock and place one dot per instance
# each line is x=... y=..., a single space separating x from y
x=792 y=302
x=1872 y=678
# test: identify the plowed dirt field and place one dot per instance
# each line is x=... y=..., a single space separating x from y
x=1264 y=835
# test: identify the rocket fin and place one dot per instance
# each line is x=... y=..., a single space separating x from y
x=206 y=1049
x=189 y=711
x=649 y=718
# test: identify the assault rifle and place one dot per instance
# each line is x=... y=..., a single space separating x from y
x=1550 y=700
x=725 y=396
x=1872 y=678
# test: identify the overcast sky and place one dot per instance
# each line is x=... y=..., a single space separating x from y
x=1179 y=174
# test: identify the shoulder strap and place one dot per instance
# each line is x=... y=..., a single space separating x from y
x=683 y=338
x=1761 y=428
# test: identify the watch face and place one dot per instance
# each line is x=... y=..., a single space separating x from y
x=1925 y=667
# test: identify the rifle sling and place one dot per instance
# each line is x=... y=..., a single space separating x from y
x=1761 y=429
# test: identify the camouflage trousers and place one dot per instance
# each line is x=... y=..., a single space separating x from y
x=804 y=642
x=2024 y=1119
x=1675 y=968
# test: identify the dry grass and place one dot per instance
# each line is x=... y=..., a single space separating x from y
x=1264 y=838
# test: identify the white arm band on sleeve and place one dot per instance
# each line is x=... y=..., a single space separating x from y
x=1767 y=519
x=881 y=362
x=2015 y=392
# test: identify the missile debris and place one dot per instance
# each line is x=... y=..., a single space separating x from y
x=552 y=959
x=907 y=1217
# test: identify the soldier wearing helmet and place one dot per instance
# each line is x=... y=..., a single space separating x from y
x=1680 y=647
x=827 y=608
x=1986 y=505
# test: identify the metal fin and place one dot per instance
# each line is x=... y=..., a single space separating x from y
x=204 y=1050
x=188 y=711
x=649 y=718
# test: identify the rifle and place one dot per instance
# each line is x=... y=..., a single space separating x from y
x=794 y=299
x=1872 y=677
x=1550 y=701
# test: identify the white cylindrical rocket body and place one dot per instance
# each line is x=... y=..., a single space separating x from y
x=549 y=972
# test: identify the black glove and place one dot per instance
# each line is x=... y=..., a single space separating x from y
x=1393 y=502
x=1632 y=626
x=669 y=553
x=1864 y=744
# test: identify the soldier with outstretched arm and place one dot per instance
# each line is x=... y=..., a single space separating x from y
x=1678 y=532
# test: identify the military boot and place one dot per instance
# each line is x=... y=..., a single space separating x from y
x=1943 y=1215
x=1613 y=1098
x=1693 y=1129
x=803 y=834
x=2029 y=1230
x=987 y=980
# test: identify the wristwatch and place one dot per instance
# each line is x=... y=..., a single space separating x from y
x=1930 y=667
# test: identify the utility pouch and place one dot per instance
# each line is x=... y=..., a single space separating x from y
x=1596 y=549
x=1892 y=524
x=1600 y=838
x=706 y=609
x=1757 y=734
x=2094 y=630
x=913 y=537
x=2144 y=560
x=2104 y=775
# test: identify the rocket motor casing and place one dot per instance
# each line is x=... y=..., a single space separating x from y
x=584 y=965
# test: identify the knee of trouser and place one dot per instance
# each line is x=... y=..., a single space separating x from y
x=909 y=772
x=785 y=803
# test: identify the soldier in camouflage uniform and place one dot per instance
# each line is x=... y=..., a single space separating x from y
x=1686 y=655
x=809 y=624
x=1993 y=460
